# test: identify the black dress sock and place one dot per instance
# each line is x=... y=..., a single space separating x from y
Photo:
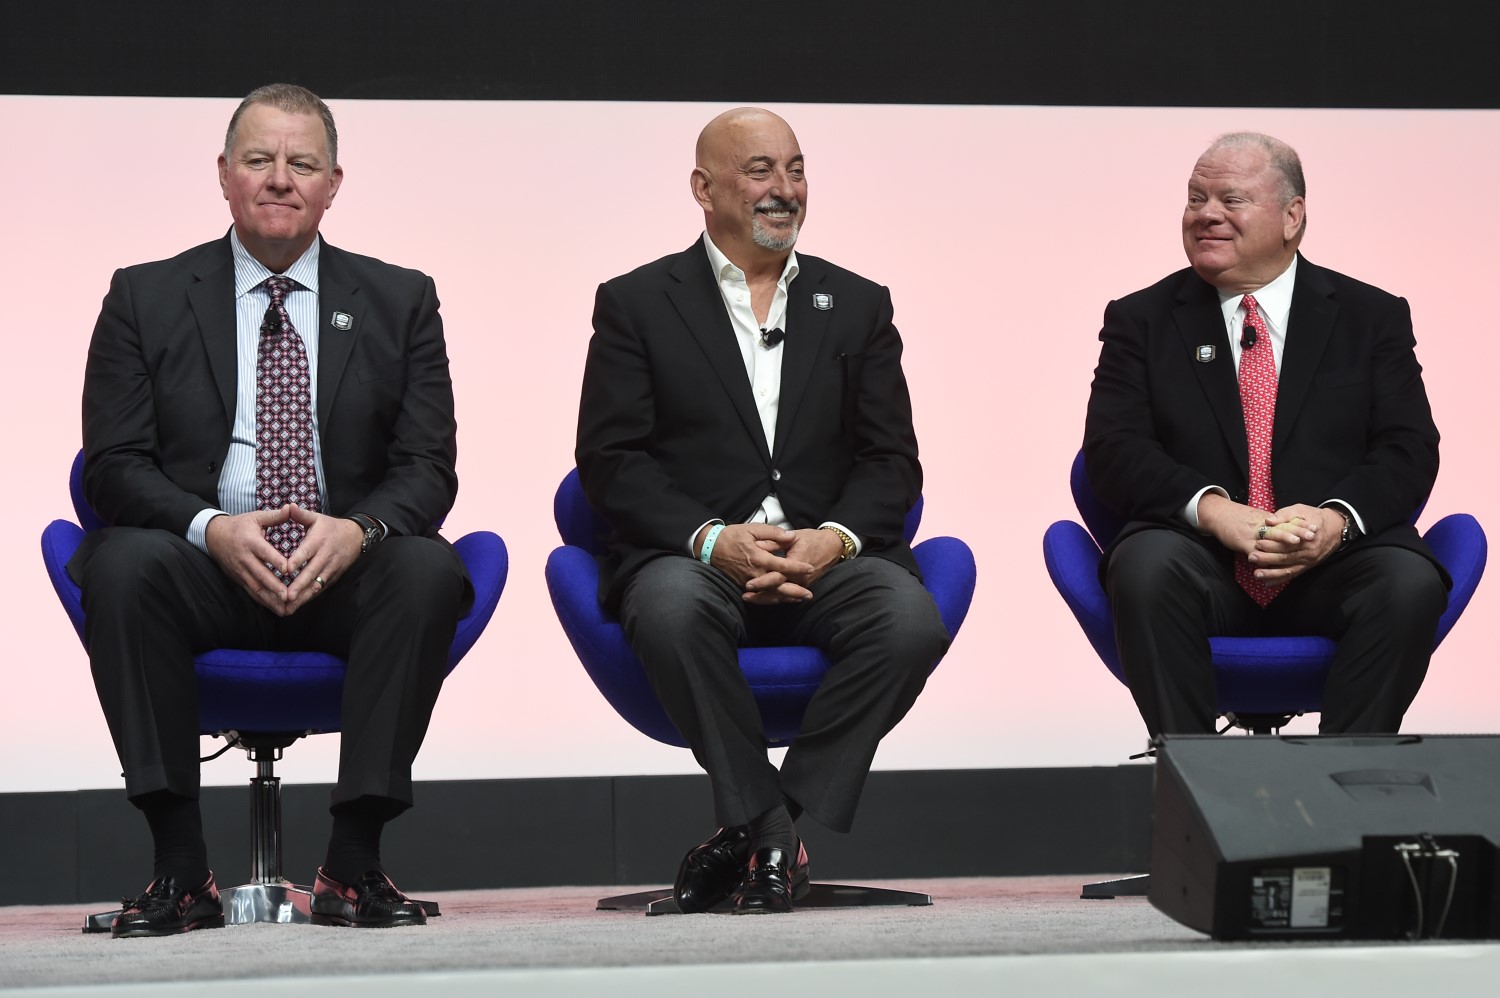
x=354 y=845
x=177 y=837
x=773 y=829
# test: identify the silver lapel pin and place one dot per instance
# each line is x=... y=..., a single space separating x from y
x=343 y=320
x=822 y=301
x=1206 y=353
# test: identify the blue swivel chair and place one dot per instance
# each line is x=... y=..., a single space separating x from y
x=1263 y=682
x=263 y=701
x=783 y=679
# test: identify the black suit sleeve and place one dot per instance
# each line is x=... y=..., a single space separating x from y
x=1128 y=467
x=1388 y=408
x=886 y=476
x=123 y=477
x=416 y=439
x=617 y=428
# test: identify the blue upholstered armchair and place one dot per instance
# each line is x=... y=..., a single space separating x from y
x=1259 y=678
x=267 y=700
x=783 y=679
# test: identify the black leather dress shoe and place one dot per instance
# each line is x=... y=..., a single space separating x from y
x=710 y=872
x=773 y=881
x=167 y=908
x=372 y=903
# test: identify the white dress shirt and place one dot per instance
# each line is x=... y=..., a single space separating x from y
x=762 y=366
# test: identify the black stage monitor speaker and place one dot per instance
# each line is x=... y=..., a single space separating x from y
x=1374 y=837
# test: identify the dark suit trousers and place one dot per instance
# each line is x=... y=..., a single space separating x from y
x=1169 y=593
x=881 y=629
x=152 y=601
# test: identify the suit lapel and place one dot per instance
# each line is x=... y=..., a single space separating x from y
x=805 y=329
x=338 y=292
x=1200 y=322
x=212 y=302
x=1309 y=328
x=696 y=298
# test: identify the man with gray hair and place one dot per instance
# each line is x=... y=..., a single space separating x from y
x=1262 y=424
x=268 y=430
x=746 y=432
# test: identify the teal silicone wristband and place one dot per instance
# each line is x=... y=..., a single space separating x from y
x=708 y=543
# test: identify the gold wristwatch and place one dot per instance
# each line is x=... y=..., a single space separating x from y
x=849 y=548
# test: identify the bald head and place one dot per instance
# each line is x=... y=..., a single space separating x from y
x=720 y=135
x=749 y=180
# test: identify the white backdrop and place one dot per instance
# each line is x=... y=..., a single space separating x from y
x=1001 y=231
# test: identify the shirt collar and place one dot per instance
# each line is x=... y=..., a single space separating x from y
x=1274 y=300
x=724 y=268
x=250 y=273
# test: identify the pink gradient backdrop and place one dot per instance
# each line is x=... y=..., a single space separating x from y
x=1001 y=231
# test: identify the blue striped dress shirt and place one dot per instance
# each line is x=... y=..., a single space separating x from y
x=251 y=299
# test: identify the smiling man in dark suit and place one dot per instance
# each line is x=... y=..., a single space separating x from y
x=1262 y=423
x=745 y=429
x=268 y=429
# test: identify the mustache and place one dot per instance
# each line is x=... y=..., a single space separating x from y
x=779 y=204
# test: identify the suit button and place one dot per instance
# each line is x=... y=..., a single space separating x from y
x=775 y=475
x=213 y=466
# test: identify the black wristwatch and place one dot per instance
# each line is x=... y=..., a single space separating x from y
x=371 y=526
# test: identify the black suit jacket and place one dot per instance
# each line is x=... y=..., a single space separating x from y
x=669 y=436
x=160 y=388
x=1352 y=417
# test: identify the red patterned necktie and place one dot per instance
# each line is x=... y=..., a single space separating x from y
x=1258 y=398
x=285 y=471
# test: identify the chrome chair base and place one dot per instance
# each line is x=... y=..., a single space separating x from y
x=284 y=903
x=661 y=902
x=1126 y=887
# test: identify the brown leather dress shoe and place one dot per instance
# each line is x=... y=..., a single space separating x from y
x=773 y=880
x=167 y=908
x=372 y=903
x=710 y=872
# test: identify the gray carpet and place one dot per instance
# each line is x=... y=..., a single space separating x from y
x=558 y=928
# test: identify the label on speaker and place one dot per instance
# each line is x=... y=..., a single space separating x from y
x=1311 y=890
x=1304 y=897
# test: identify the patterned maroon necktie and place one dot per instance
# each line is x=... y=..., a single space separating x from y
x=1258 y=398
x=285 y=471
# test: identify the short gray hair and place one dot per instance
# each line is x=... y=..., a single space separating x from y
x=1284 y=160
x=292 y=99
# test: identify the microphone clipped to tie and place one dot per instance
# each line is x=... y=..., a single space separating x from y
x=1247 y=336
x=771 y=337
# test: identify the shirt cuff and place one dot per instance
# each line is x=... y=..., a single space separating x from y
x=1353 y=513
x=858 y=544
x=197 y=531
x=1190 y=511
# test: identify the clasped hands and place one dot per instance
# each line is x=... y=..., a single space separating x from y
x=238 y=544
x=1280 y=546
x=772 y=565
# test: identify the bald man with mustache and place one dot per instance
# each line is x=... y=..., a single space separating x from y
x=746 y=431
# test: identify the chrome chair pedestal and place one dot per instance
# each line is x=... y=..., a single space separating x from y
x=282 y=902
x=661 y=902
